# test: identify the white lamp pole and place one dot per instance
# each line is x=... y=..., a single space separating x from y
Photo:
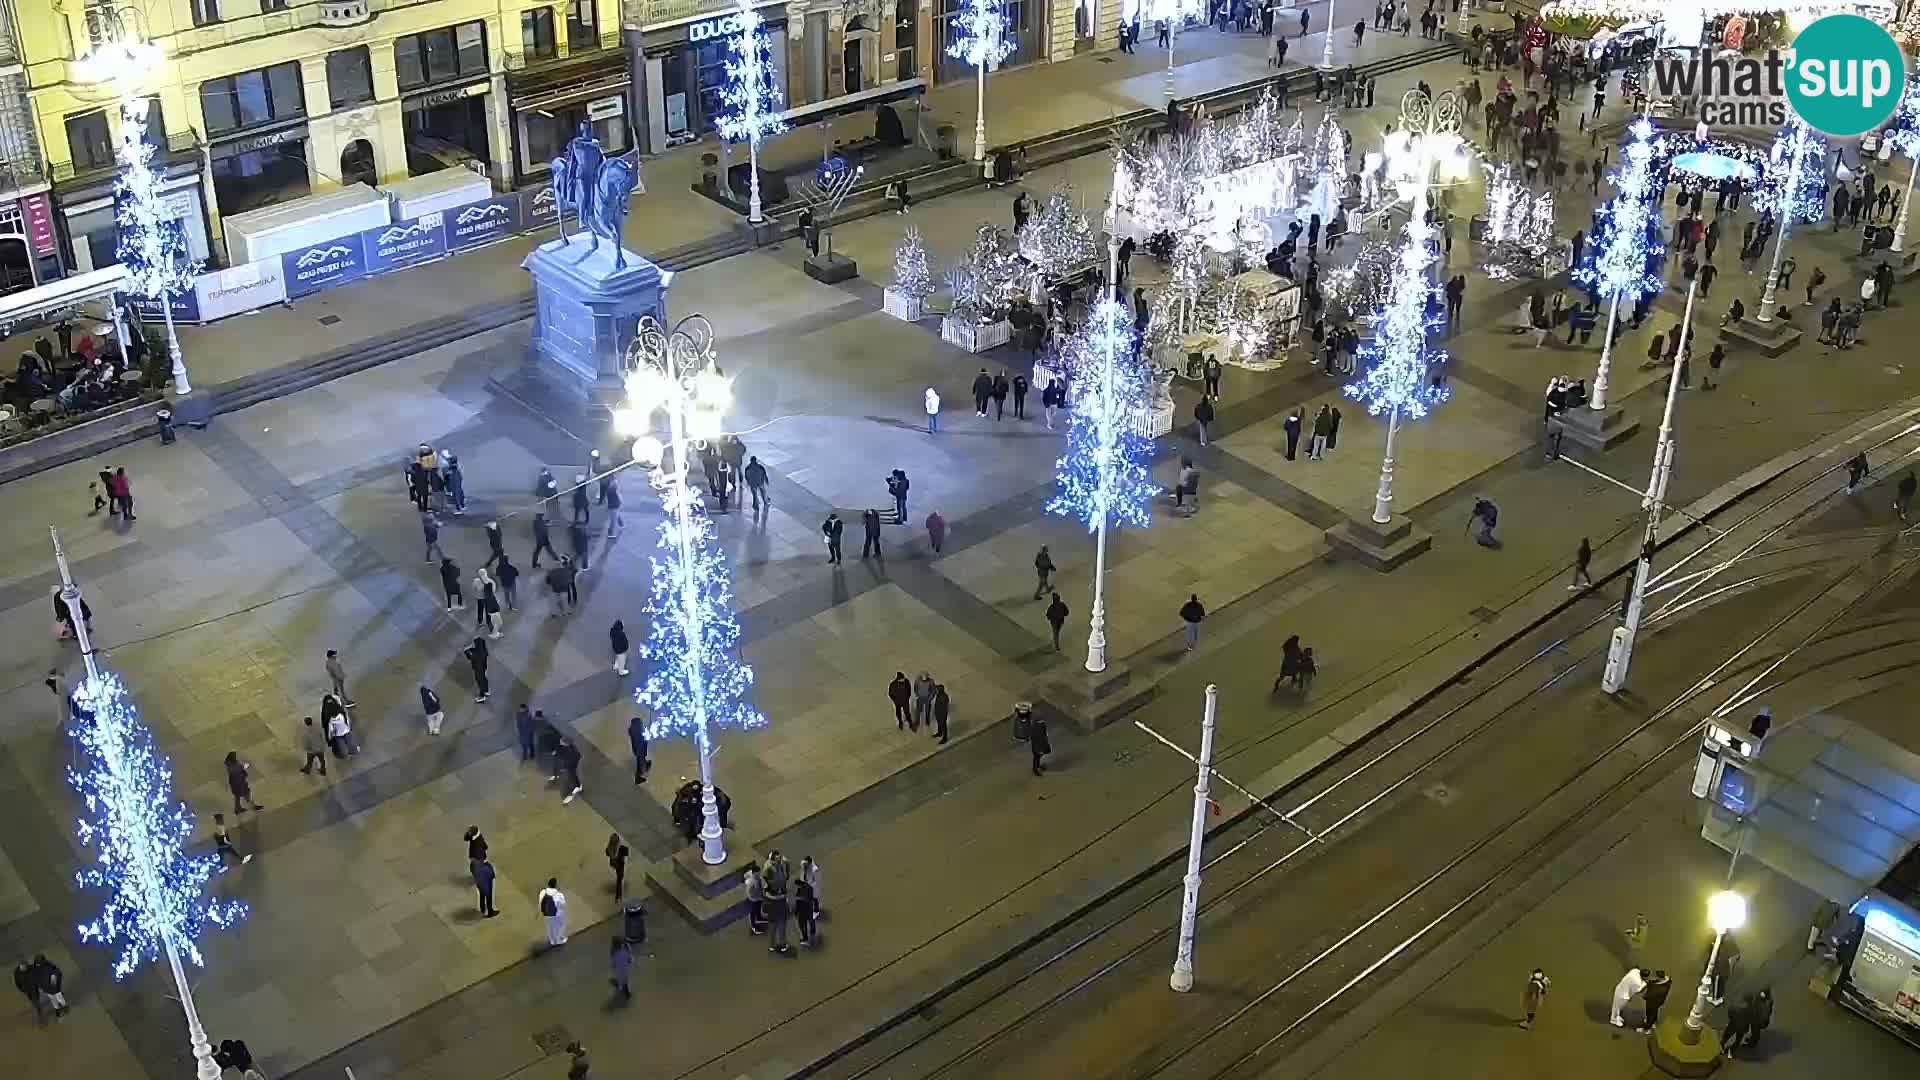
x=980 y=114
x=1598 y=403
x=1726 y=912
x=1900 y=226
x=204 y=1067
x=1620 y=646
x=1097 y=621
x=1326 y=47
x=1182 y=978
x=1800 y=140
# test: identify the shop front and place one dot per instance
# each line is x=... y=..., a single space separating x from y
x=549 y=106
x=682 y=68
x=260 y=168
x=84 y=209
x=446 y=127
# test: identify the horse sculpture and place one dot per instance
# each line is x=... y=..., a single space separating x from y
x=596 y=189
x=615 y=187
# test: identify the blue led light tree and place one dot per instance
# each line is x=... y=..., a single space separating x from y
x=697 y=681
x=1623 y=256
x=1795 y=188
x=1102 y=477
x=980 y=38
x=1905 y=133
x=150 y=243
x=156 y=902
x=751 y=98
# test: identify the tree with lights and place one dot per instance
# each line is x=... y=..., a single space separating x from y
x=1625 y=251
x=1904 y=131
x=751 y=97
x=1102 y=476
x=912 y=275
x=1058 y=240
x=1520 y=227
x=697 y=682
x=980 y=38
x=151 y=244
x=1398 y=380
x=156 y=903
x=1795 y=189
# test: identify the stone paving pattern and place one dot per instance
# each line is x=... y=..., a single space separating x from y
x=282 y=531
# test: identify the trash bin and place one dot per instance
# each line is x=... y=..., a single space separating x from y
x=1022 y=720
x=634 y=922
x=165 y=419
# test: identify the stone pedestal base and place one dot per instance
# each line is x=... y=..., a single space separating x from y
x=1903 y=264
x=586 y=310
x=1382 y=547
x=1598 y=429
x=1673 y=1055
x=1092 y=700
x=192 y=410
x=1771 y=338
x=708 y=896
x=831 y=269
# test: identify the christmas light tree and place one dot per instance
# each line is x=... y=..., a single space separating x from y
x=1398 y=379
x=1782 y=188
x=751 y=97
x=980 y=39
x=1058 y=241
x=156 y=893
x=150 y=243
x=1519 y=237
x=912 y=277
x=1625 y=251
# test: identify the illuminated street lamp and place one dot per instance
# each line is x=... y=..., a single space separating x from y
x=1175 y=13
x=1726 y=912
x=980 y=38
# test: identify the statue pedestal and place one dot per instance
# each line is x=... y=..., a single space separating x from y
x=586 y=312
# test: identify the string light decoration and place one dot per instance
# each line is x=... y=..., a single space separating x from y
x=1519 y=238
x=980 y=39
x=1802 y=193
x=989 y=277
x=912 y=276
x=1102 y=476
x=1904 y=134
x=138 y=830
x=150 y=243
x=751 y=97
x=1624 y=252
x=1058 y=241
x=1364 y=285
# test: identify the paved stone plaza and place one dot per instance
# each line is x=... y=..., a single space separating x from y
x=283 y=530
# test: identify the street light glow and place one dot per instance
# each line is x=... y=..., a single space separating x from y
x=1726 y=911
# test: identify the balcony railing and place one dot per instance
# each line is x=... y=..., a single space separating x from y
x=178 y=143
x=21 y=175
x=520 y=60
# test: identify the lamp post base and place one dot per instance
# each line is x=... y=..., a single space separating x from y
x=1383 y=547
x=1771 y=338
x=1674 y=1055
x=1598 y=429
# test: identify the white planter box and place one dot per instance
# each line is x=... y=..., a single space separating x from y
x=1044 y=373
x=1154 y=423
x=975 y=337
x=902 y=306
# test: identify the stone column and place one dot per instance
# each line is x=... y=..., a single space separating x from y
x=836 y=53
x=798 y=81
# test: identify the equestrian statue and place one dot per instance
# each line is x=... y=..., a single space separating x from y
x=597 y=189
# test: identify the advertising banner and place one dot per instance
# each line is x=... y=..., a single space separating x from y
x=321 y=266
x=404 y=243
x=38 y=214
x=538 y=208
x=186 y=307
x=241 y=288
x=483 y=222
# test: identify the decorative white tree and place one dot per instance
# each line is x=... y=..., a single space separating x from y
x=150 y=243
x=980 y=38
x=912 y=276
x=1519 y=237
x=1058 y=240
x=752 y=97
x=1905 y=133
x=1625 y=251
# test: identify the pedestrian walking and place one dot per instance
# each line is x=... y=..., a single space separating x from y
x=1759 y=1017
x=1020 y=387
x=777 y=877
x=870 y=533
x=122 y=491
x=1581 y=559
x=1292 y=426
x=805 y=910
x=582 y=507
x=476 y=655
x=982 y=390
x=1629 y=986
x=1322 y=428
x=1856 y=471
x=1653 y=997
x=450 y=582
x=1053 y=397
x=582 y=546
x=923 y=701
x=1210 y=372
x=523 y=729
x=637 y=742
x=566 y=760
x=756 y=900
x=620 y=964
x=486 y=604
x=1485 y=515
x=51 y=982
x=339 y=729
x=223 y=841
x=1191 y=613
x=483 y=875
x=897 y=486
x=553 y=908
x=941 y=704
x=617 y=854
x=1739 y=1026
x=1002 y=386
x=755 y=476
x=542 y=540
x=430 y=708
x=1043 y=568
x=617 y=639
x=931 y=401
x=1534 y=996
x=810 y=873
x=1202 y=417
x=900 y=692
x=25 y=981
x=1038 y=743
x=430 y=529
x=832 y=529
x=936 y=531
x=1903 y=495
x=1056 y=618
x=313 y=743
x=237 y=783
x=578 y=1067
x=337 y=675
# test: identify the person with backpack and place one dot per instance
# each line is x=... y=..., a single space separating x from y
x=1191 y=613
x=1486 y=515
x=553 y=908
x=430 y=707
x=1534 y=996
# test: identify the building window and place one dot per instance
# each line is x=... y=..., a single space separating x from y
x=205 y=12
x=88 y=139
x=583 y=25
x=252 y=98
x=905 y=33
x=349 y=77
x=454 y=52
x=536 y=33
x=272 y=5
x=156 y=135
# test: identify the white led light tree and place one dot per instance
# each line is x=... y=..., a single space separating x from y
x=751 y=98
x=1794 y=188
x=1625 y=251
x=1905 y=133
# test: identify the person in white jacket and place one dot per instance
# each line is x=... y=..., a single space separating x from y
x=1630 y=985
x=933 y=410
x=553 y=907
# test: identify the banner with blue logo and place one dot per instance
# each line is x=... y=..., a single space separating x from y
x=538 y=208
x=186 y=307
x=321 y=266
x=404 y=243
x=482 y=222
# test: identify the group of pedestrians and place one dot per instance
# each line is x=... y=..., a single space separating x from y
x=920 y=703
x=775 y=892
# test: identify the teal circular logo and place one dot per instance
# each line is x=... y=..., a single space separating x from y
x=1846 y=75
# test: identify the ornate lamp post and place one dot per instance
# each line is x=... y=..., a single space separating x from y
x=1790 y=199
x=1726 y=912
x=1175 y=13
x=697 y=680
x=980 y=38
x=1906 y=139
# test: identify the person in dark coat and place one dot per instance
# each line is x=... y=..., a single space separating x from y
x=1202 y=417
x=1759 y=1016
x=617 y=640
x=982 y=390
x=870 y=527
x=237 y=783
x=1001 y=388
x=1057 y=618
x=1292 y=426
x=52 y=984
x=483 y=875
x=542 y=540
x=450 y=582
x=476 y=655
x=900 y=692
x=1038 y=743
x=1191 y=613
x=1020 y=386
x=832 y=528
x=1333 y=427
x=941 y=703
x=1655 y=996
x=1739 y=1026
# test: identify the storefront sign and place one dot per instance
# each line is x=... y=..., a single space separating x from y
x=335 y=262
x=259 y=142
x=482 y=222
x=538 y=208
x=602 y=108
x=443 y=97
x=241 y=288
x=186 y=307
x=664 y=12
x=708 y=29
x=37 y=212
x=404 y=243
